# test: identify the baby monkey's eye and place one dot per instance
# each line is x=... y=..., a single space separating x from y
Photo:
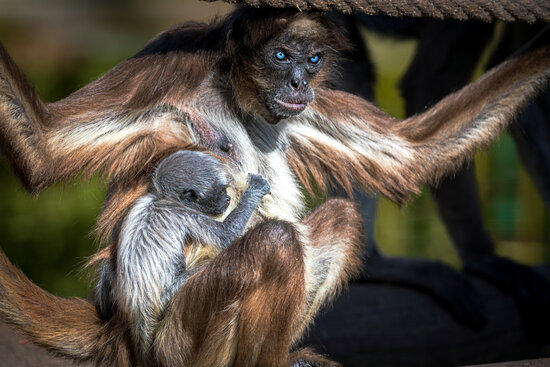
x=188 y=195
x=281 y=56
x=315 y=59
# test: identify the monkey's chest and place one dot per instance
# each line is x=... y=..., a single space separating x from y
x=253 y=147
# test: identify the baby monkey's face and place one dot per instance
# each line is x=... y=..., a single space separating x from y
x=214 y=201
x=196 y=179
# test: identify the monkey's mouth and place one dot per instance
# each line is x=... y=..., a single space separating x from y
x=285 y=106
x=291 y=106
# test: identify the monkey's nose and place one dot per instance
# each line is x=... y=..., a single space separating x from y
x=297 y=83
x=227 y=199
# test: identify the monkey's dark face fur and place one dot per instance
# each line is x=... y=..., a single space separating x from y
x=277 y=71
x=195 y=179
x=293 y=65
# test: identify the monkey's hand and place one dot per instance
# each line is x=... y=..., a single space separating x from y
x=258 y=184
x=235 y=222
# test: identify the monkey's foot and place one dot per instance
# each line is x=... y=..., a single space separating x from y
x=530 y=290
x=442 y=283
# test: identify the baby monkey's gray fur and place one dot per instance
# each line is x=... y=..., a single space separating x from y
x=186 y=188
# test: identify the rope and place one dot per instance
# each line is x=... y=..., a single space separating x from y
x=486 y=10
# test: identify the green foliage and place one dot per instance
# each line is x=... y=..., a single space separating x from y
x=50 y=237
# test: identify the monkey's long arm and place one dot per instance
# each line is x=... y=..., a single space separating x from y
x=110 y=125
x=352 y=140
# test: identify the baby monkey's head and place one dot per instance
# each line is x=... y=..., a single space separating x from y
x=198 y=180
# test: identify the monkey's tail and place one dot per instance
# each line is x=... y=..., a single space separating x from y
x=68 y=327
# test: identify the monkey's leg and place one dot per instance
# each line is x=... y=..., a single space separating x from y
x=254 y=300
x=333 y=257
x=69 y=327
x=240 y=308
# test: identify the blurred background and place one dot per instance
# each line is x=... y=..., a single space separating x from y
x=62 y=45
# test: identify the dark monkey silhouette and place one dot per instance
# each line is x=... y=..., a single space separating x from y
x=444 y=60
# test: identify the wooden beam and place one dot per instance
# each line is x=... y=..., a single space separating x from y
x=544 y=362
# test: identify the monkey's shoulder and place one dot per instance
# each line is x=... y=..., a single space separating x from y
x=150 y=209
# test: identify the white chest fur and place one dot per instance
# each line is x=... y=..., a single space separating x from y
x=260 y=149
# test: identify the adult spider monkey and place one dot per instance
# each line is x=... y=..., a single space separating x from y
x=256 y=80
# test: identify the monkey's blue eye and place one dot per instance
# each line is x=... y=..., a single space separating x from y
x=280 y=55
x=314 y=59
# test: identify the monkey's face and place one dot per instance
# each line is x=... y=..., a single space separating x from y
x=292 y=67
x=213 y=201
x=276 y=77
x=293 y=61
x=196 y=179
